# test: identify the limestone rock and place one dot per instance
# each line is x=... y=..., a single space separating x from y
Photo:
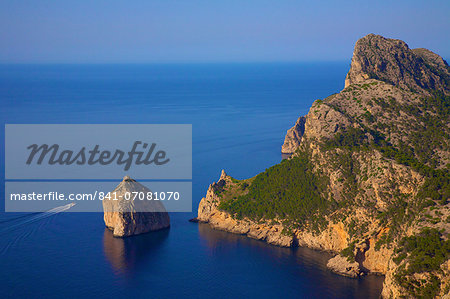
x=342 y=266
x=392 y=61
x=294 y=136
x=126 y=218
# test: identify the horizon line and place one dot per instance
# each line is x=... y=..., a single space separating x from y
x=177 y=62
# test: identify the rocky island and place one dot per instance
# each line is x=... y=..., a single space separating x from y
x=127 y=218
x=368 y=178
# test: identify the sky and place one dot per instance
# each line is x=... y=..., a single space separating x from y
x=149 y=31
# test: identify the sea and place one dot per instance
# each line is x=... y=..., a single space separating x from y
x=239 y=115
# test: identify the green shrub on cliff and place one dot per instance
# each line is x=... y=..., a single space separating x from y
x=351 y=138
x=289 y=190
x=349 y=252
x=425 y=251
x=422 y=253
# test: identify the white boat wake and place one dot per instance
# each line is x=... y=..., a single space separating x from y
x=36 y=217
x=28 y=219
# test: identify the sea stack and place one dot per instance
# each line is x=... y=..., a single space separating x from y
x=133 y=217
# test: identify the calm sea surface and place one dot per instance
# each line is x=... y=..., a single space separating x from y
x=239 y=113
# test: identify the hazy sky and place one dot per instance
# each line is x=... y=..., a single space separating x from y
x=211 y=30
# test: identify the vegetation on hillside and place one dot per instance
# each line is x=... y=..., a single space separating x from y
x=289 y=191
x=421 y=253
x=418 y=152
x=292 y=192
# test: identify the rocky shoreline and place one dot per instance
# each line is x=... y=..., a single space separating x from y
x=333 y=239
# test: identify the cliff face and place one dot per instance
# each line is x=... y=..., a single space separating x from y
x=382 y=148
x=127 y=218
x=391 y=60
x=294 y=136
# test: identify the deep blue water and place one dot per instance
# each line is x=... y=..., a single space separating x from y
x=239 y=113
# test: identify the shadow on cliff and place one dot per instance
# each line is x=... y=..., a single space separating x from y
x=126 y=254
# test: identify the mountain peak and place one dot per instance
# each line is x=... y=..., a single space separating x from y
x=392 y=61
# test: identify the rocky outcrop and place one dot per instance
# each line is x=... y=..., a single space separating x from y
x=432 y=59
x=127 y=217
x=342 y=266
x=392 y=61
x=294 y=136
x=374 y=142
x=208 y=212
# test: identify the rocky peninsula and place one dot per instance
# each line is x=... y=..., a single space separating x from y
x=368 y=178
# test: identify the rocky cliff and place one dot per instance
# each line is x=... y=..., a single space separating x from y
x=127 y=217
x=294 y=136
x=368 y=178
x=391 y=60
